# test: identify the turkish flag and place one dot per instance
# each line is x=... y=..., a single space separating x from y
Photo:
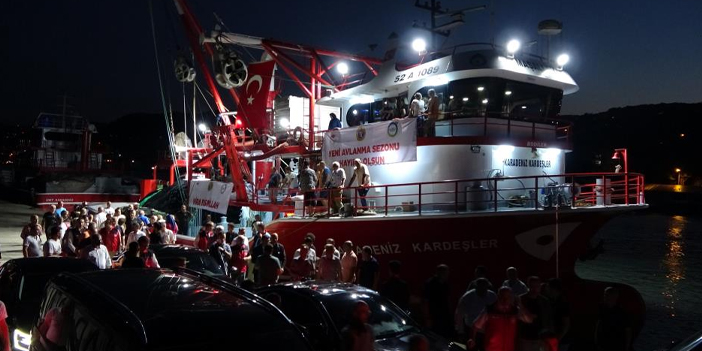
x=255 y=96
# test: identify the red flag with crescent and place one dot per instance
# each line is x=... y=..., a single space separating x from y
x=255 y=95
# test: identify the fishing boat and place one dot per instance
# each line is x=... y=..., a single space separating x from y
x=58 y=161
x=486 y=186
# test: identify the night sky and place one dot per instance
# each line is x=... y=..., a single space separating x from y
x=101 y=54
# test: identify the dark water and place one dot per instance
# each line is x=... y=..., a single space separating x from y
x=661 y=256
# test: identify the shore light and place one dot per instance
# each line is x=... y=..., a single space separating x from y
x=419 y=45
x=342 y=68
x=202 y=127
x=562 y=60
x=513 y=46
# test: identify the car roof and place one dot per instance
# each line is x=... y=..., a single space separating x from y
x=320 y=288
x=51 y=264
x=175 y=248
x=160 y=303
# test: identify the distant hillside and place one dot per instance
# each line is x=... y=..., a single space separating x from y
x=659 y=138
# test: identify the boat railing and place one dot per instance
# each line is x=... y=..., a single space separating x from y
x=498 y=194
x=484 y=125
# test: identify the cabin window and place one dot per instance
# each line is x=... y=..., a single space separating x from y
x=495 y=97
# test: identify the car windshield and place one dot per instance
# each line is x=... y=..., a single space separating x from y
x=386 y=319
x=32 y=287
x=196 y=260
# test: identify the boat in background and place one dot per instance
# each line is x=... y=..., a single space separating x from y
x=60 y=162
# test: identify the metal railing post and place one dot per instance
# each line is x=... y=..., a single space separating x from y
x=495 y=196
x=386 y=200
x=355 y=199
x=420 y=199
x=455 y=204
x=536 y=193
x=572 y=192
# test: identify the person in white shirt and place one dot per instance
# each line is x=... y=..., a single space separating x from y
x=417 y=106
x=363 y=181
x=65 y=224
x=52 y=247
x=518 y=287
x=136 y=233
x=170 y=236
x=338 y=179
x=97 y=253
x=108 y=209
x=100 y=217
x=472 y=304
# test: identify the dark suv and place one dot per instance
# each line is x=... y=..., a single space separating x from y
x=154 y=309
x=22 y=282
x=324 y=309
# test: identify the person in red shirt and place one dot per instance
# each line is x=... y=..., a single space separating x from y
x=4 y=329
x=499 y=323
x=204 y=238
x=111 y=237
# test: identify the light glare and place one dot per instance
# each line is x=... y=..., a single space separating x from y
x=513 y=46
x=562 y=59
x=342 y=68
x=419 y=45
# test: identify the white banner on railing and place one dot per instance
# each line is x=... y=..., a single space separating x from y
x=375 y=144
x=210 y=195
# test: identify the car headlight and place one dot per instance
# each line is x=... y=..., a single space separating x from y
x=21 y=340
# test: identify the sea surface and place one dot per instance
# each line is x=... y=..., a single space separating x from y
x=661 y=256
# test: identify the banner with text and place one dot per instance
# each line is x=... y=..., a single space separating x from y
x=375 y=144
x=210 y=195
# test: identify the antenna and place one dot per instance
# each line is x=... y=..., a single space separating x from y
x=550 y=28
x=437 y=13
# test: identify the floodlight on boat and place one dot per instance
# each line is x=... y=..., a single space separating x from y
x=342 y=68
x=419 y=45
x=562 y=60
x=512 y=47
x=202 y=127
x=481 y=88
x=508 y=93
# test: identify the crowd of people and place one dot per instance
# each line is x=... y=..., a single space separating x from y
x=512 y=316
x=321 y=186
x=98 y=235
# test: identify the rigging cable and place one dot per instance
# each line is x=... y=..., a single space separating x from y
x=169 y=130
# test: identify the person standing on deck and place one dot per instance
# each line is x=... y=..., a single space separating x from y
x=432 y=114
x=307 y=179
x=334 y=122
x=363 y=181
x=338 y=179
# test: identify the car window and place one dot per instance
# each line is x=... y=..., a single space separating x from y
x=65 y=325
x=195 y=260
x=8 y=278
x=386 y=319
x=300 y=309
